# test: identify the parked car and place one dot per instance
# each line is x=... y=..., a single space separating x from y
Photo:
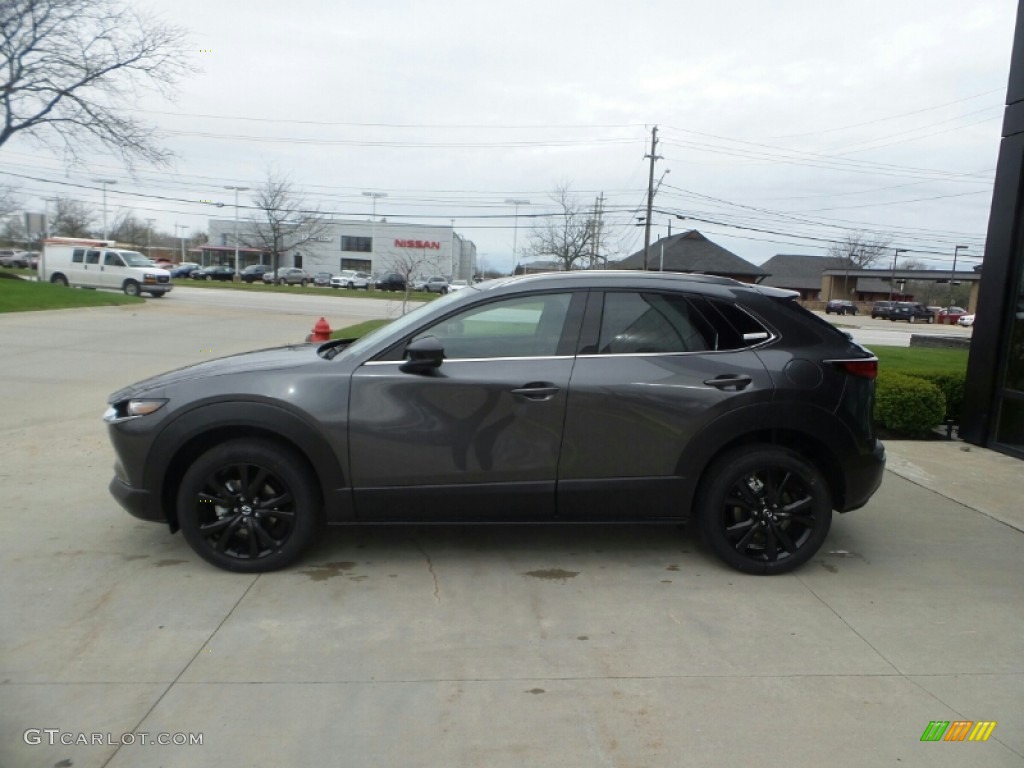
x=254 y=273
x=185 y=269
x=840 y=307
x=965 y=320
x=911 y=311
x=390 y=282
x=288 y=276
x=881 y=309
x=322 y=279
x=950 y=315
x=351 y=279
x=11 y=258
x=220 y=272
x=558 y=397
x=458 y=285
x=436 y=285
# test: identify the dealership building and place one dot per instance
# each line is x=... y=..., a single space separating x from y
x=375 y=247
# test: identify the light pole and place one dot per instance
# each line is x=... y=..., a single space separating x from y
x=952 y=274
x=183 y=227
x=515 y=227
x=149 y=237
x=104 y=182
x=892 y=278
x=237 y=190
x=373 y=222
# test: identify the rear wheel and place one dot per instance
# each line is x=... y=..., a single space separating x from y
x=59 y=280
x=303 y=283
x=248 y=506
x=764 y=509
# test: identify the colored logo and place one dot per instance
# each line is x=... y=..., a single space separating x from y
x=958 y=730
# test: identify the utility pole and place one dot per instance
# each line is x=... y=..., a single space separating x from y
x=650 y=192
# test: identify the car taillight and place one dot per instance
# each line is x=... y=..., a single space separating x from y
x=865 y=369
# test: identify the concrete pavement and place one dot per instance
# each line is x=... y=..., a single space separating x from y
x=561 y=646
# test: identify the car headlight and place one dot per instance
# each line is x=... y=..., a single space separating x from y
x=133 y=409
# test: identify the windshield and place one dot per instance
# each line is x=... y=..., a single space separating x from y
x=136 y=259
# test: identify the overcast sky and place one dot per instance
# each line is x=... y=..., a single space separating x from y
x=783 y=125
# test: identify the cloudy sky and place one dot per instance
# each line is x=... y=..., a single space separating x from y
x=783 y=125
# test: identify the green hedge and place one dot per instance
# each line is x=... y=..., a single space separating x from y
x=950 y=384
x=908 y=405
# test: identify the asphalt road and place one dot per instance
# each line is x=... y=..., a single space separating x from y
x=485 y=646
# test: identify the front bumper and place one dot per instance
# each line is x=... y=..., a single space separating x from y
x=139 y=503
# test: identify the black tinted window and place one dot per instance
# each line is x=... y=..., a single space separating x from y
x=92 y=257
x=78 y=255
x=651 y=322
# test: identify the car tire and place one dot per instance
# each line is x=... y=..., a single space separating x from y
x=59 y=280
x=282 y=281
x=131 y=288
x=764 y=509
x=303 y=283
x=268 y=507
x=157 y=294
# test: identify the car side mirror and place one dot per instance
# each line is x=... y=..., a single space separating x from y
x=423 y=355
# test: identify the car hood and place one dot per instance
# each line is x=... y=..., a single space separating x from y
x=260 y=360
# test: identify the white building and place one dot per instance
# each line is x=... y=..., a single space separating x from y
x=376 y=247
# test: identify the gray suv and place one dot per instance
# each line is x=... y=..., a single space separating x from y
x=551 y=398
x=288 y=276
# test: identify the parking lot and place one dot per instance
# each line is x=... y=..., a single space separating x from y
x=478 y=646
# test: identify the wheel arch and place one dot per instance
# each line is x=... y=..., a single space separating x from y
x=197 y=431
x=768 y=425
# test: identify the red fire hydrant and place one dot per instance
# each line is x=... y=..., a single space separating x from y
x=321 y=332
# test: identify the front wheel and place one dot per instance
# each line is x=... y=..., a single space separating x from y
x=248 y=506
x=303 y=283
x=131 y=288
x=764 y=509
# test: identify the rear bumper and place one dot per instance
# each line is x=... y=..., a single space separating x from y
x=863 y=477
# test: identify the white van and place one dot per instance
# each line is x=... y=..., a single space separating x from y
x=101 y=264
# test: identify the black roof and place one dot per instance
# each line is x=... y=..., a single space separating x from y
x=691 y=252
x=797 y=271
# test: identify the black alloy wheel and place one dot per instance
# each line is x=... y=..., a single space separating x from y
x=248 y=506
x=765 y=509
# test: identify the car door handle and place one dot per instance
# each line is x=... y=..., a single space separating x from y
x=537 y=390
x=730 y=381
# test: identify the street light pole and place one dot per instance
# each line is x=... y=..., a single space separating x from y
x=892 y=278
x=182 y=227
x=237 y=190
x=952 y=274
x=515 y=227
x=104 y=182
x=373 y=221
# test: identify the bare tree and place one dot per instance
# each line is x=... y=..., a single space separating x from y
x=130 y=230
x=12 y=232
x=9 y=202
x=408 y=264
x=284 y=222
x=571 y=235
x=70 y=68
x=858 y=250
x=72 y=218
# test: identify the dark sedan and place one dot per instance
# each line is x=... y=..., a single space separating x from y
x=912 y=312
x=390 y=282
x=214 y=273
x=591 y=397
x=840 y=307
